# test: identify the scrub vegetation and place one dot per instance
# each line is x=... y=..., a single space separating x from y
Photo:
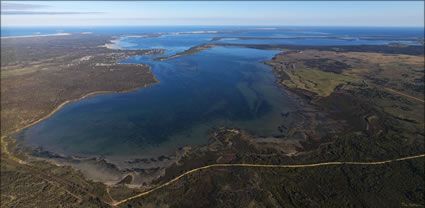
x=39 y=74
x=376 y=98
x=374 y=93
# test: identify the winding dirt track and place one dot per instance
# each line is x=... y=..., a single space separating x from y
x=405 y=95
x=65 y=182
x=264 y=166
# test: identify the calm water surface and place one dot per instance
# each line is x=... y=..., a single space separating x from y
x=221 y=86
x=196 y=94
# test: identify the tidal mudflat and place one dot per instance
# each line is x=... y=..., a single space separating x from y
x=221 y=86
x=108 y=136
x=196 y=94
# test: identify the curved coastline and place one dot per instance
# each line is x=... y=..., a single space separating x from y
x=113 y=45
x=60 y=106
x=10 y=134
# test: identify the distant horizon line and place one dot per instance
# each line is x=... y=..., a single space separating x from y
x=212 y=26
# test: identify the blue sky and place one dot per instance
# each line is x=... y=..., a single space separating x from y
x=303 y=13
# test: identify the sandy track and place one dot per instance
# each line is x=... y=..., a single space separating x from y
x=263 y=166
x=405 y=95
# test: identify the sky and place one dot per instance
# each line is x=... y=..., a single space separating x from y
x=287 y=13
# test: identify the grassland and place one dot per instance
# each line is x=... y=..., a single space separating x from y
x=39 y=74
x=336 y=186
x=346 y=85
x=319 y=82
x=189 y=51
x=352 y=87
x=322 y=71
x=325 y=73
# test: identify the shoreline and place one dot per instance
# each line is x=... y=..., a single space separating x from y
x=60 y=106
x=195 y=49
x=10 y=134
x=112 y=45
x=63 y=104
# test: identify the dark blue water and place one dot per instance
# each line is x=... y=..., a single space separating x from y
x=369 y=31
x=247 y=30
x=196 y=94
x=175 y=43
x=218 y=87
x=243 y=31
x=316 y=42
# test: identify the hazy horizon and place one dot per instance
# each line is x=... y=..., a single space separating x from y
x=210 y=13
x=303 y=26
